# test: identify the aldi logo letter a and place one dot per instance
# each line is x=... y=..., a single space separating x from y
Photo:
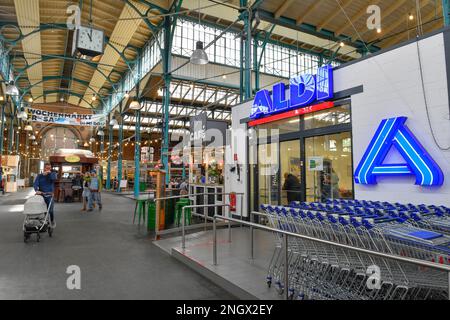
x=394 y=132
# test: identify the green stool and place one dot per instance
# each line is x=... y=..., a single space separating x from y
x=139 y=209
x=151 y=219
x=187 y=212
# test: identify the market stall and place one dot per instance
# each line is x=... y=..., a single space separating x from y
x=70 y=165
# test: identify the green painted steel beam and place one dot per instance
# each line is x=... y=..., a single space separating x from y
x=120 y=157
x=108 y=169
x=48 y=92
x=446 y=11
x=151 y=5
x=49 y=78
x=21 y=72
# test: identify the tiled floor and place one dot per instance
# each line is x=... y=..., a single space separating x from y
x=117 y=259
x=235 y=267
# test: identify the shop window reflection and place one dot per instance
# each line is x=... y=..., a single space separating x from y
x=291 y=125
x=331 y=117
x=329 y=169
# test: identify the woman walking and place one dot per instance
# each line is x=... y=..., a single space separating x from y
x=86 y=191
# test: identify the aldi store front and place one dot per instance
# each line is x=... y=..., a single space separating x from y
x=310 y=158
x=376 y=129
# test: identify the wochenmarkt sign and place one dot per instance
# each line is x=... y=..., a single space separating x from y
x=74 y=119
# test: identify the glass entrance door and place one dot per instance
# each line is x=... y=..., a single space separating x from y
x=291 y=172
x=329 y=169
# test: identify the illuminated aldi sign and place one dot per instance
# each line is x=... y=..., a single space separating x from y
x=418 y=162
x=304 y=90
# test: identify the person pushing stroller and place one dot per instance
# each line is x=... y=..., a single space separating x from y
x=44 y=185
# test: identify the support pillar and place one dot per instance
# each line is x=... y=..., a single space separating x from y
x=102 y=150
x=167 y=61
x=17 y=141
x=256 y=64
x=246 y=18
x=120 y=157
x=11 y=134
x=108 y=169
x=137 y=153
x=2 y=136
x=446 y=12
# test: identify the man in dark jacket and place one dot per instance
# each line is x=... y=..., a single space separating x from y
x=45 y=185
x=292 y=186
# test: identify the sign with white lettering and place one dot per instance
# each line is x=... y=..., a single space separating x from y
x=73 y=119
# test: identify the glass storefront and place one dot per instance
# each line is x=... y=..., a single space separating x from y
x=329 y=167
x=307 y=158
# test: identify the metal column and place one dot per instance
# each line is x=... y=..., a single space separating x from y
x=2 y=139
x=446 y=11
x=102 y=150
x=17 y=141
x=108 y=170
x=11 y=134
x=255 y=64
x=246 y=18
x=120 y=157
x=166 y=99
x=137 y=153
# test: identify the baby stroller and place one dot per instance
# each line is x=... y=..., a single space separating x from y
x=37 y=218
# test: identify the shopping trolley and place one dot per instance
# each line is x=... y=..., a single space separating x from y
x=325 y=272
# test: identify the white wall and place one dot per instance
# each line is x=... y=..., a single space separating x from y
x=392 y=87
x=238 y=145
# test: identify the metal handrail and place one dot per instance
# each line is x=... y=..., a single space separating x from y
x=183 y=230
x=197 y=194
x=157 y=233
x=288 y=234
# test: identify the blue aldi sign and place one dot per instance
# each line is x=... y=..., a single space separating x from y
x=394 y=133
x=304 y=90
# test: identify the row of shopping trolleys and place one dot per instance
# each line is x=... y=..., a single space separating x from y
x=370 y=207
x=421 y=232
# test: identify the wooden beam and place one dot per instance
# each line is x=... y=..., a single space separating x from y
x=338 y=11
x=310 y=9
x=283 y=8
x=399 y=38
x=354 y=18
x=385 y=14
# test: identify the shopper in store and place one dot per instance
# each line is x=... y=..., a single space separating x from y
x=292 y=187
x=86 y=192
x=184 y=187
x=95 y=187
x=44 y=185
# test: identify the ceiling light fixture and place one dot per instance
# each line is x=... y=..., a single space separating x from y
x=113 y=122
x=11 y=89
x=135 y=105
x=199 y=56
